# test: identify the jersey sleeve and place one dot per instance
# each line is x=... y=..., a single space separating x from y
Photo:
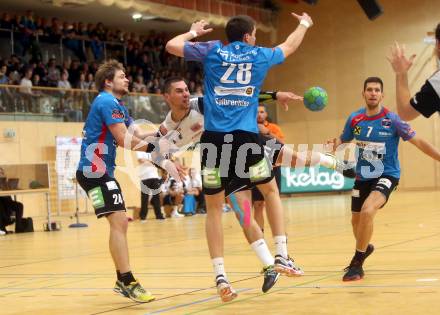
x=427 y=100
x=273 y=56
x=197 y=104
x=403 y=129
x=111 y=113
x=197 y=51
x=347 y=134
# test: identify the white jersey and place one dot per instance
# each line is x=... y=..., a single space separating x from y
x=186 y=132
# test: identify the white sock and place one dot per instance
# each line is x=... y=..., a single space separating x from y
x=219 y=266
x=327 y=161
x=263 y=253
x=281 y=245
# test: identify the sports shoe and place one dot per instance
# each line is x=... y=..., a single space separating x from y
x=354 y=272
x=2 y=232
x=270 y=278
x=368 y=252
x=224 y=289
x=176 y=214
x=133 y=291
x=287 y=267
x=348 y=169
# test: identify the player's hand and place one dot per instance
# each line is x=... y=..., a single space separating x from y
x=199 y=27
x=304 y=17
x=283 y=98
x=332 y=144
x=263 y=130
x=398 y=60
x=173 y=169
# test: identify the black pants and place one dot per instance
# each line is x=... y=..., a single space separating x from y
x=8 y=208
x=153 y=184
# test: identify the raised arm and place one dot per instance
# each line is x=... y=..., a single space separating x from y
x=295 y=38
x=175 y=45
x=401 y=65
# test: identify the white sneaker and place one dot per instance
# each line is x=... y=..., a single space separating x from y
x=225 y=290
x=2 y=232
x=143 y=221
x=176 y=214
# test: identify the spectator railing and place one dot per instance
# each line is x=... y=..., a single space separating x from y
x=72 y=105
x=60 y=48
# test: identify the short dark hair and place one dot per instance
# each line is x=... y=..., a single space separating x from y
x=106 y=71
x=373 y=80
x=169 y=81
x=437 y=32
x=238 y=26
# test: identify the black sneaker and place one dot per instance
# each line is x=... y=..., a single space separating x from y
x=354 y=272
x=270 y=278
x=368 y=252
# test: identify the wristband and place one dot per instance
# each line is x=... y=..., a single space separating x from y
x=193 y=33
x=305 y=23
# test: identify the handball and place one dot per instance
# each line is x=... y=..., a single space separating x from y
x=315 y=98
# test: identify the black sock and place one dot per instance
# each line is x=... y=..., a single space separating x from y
x=127 y=278
x=359 y=257
x=118 y=275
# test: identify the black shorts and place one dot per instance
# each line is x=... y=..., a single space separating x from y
x=237 y=156
x=104 y=193
x=362 y=189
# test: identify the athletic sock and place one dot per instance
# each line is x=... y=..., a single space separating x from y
x=263 y=253
x=281 y=245
x=127 y=278
x=218 y=264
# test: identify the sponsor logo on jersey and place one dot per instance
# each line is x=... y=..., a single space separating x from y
x=386 y=123
x=237 y=91
x=385 y=134
x=357 y=130
x=226 y=102
x=117 y=114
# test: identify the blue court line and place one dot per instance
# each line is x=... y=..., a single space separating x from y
x=191 y=303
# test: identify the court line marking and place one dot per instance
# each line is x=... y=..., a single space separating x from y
x=171 y=296
x=192 y=303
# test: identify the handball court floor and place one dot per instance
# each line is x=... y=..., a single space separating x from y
x=70 y=271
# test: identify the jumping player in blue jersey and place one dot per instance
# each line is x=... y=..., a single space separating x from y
x=376 y=131
x=230 y=147
x=107 y=126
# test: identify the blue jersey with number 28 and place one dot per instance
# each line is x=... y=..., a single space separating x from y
x=234 y=74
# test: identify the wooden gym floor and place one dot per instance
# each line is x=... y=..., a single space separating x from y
x=70 y=271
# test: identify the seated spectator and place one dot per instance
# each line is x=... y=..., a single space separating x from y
x=174 y=197
x=11 y=212
x=193 y=188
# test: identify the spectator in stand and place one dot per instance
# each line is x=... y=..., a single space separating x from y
x=53 y=73
x=139 y=85
x=26 y=92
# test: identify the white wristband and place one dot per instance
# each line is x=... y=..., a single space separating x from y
x=305 y=23
x=193 y=33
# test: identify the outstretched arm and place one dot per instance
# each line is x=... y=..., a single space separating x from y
x=425 y=147
x=175 y=45
x=295 y=38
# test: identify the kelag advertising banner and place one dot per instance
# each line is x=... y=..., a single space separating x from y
x=313 y=179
